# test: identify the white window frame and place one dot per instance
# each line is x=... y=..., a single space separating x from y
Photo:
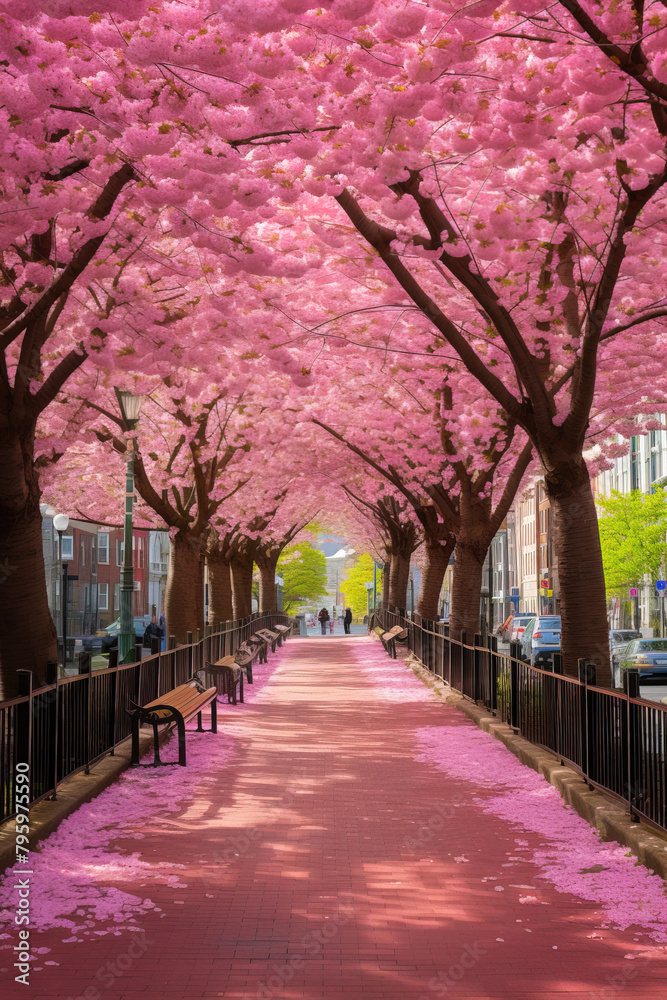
x=103 y=548
x=102 y=596
x=67 y=552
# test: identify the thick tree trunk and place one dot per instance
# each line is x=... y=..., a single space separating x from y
x=398 y=580
x=437 y=560
x=27 y=632
x=268 y=597
x=466 y=589
x=585 y=631
x=219 y=590
x=241 y=569
x=184 y=596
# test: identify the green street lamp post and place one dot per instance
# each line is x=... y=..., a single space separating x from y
x=130 y=408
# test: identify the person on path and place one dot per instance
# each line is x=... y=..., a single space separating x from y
x=347 y=621
x=153 y=631
x=323 y=618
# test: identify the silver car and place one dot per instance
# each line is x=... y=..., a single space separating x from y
x=519 y=623
x=618 y=643
x=541 y=638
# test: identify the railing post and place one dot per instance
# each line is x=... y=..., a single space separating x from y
x=85 y=668
x=477 y=642
x=587 y=675
x=139 y=651
x=23 y=731
x=514 y=687
x=171 y=646
x=53 y=676
x=493 y=673
x=558 y=663
x=631 y=689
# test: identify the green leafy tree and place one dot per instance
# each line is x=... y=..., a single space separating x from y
x=633 y=529
x=354 y=585
x=304 y=572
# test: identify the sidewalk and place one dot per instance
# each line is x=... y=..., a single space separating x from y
x=344 y=835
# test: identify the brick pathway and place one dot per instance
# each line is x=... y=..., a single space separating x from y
x=303 y=881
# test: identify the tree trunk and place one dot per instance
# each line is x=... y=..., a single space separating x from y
x=437 y=560
x=585 y=631
x=398 y=580
x=466 y=589
x=241 y=569
x=219 y=590
x=184 y=596
x=386 y=576
x=268 y=596
x=27 y=632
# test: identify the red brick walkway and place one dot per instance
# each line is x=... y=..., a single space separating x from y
x=303 y=880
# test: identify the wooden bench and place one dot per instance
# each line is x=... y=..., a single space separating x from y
x=285 y=631
x=232 y=669
x=179 y=706
x=274 y=638
x=261 y=645
x=390 y=638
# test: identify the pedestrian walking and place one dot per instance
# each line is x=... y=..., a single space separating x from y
x=323 y=618
x=347 y=621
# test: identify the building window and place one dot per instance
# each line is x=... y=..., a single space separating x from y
x=82 y=552
x=67 y=553
x=116 y=596
x=634 y=463
x=103 y=596
x=120 y=552
x=103 y=548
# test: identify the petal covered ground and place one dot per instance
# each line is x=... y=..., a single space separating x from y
x=345 y=834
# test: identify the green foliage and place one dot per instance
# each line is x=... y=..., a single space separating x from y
x=353 y=585
x=633 y=529
x=304 y=572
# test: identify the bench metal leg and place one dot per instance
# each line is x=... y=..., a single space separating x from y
x=241 y=686
x=180 y=725
x=200 y=728
x=156 y=747
x=249 y=673
x=214 y=715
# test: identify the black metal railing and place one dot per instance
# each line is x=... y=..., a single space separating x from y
x=616 y=739
x=71 y=722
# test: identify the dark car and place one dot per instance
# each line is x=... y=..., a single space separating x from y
x=107 y=638
x=649 y=656
x=618 y=642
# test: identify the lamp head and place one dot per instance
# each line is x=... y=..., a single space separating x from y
x=61 y=522
x=130 y=406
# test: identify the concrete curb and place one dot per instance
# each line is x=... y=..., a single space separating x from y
x=46 y=815
x=601 y=811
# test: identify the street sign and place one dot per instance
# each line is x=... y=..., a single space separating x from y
x=550 y=593
x=634 y=592
x=545 y=583
x=661 y=584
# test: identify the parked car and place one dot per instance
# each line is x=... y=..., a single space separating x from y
x=649 y=656
x=618 y=642
x=541 y=638
x=107 y=638
x=518 y=625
